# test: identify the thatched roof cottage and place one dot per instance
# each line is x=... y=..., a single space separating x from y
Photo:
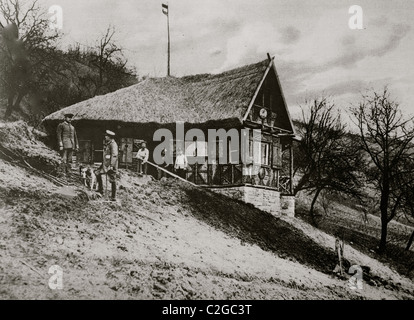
x=249 y=97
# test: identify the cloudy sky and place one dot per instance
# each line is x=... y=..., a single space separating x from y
x=315 y=50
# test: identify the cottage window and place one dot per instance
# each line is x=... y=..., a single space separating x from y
x=233 y=154
x=259 y=151
x=202 y=149
x=277 y=155
x=250 y=154
x=264 y=156
x=218 y=152
x=255 y=151
x=177 y=144
x=196 y=148
x=126 y=150
x=190 y=149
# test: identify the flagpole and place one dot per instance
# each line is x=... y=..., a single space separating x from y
x=168 y=28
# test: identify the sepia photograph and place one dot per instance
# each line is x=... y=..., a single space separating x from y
x=190 y=151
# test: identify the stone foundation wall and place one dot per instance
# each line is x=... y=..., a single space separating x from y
x=265 y=199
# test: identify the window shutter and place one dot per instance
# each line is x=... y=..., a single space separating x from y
x=277 y=155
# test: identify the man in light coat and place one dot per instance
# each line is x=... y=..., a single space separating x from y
x=109 y=164
x=181 y=164
x=67 y=142
x=142 y=156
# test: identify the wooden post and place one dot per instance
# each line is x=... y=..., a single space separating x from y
x=126 y=156
x=92 y=153
x=339 y=248
x=168 y=27
x=209 y=175
x=291 y=168
x=277 y=174
x=219 y=166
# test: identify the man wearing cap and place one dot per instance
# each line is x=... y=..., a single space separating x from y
x=67 y=142
x=109 y=164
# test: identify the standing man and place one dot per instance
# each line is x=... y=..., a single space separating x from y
x=68 y=142
x=109 y=164
x=142 y=156
x=181 y=164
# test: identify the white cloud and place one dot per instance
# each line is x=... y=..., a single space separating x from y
x=251 y=39
x=215 y=51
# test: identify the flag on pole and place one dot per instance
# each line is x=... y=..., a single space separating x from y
x=165 y=9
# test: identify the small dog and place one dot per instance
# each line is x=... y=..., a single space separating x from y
x=88 y=177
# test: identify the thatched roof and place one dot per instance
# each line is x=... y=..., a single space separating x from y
x=191 y=99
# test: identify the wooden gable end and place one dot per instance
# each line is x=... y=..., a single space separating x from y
x=269 y=97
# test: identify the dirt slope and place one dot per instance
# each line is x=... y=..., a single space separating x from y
x=159 y=244
x=165 y=240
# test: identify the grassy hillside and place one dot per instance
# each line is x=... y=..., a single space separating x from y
x=163 y=240
x=347 y=220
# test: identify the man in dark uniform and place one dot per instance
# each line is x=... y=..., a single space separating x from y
x=68 y=142
x=109 y=164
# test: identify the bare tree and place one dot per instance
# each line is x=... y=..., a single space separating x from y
x=26 y=48
x=108 y=58
x=326 y=159
x=387 y=137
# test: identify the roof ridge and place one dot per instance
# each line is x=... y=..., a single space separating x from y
x=230 y=77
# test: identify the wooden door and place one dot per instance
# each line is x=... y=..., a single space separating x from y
x=85 y=152
x=126 y=150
